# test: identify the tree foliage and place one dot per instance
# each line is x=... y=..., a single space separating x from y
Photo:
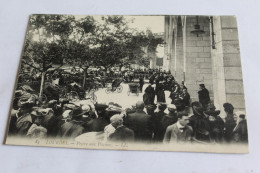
x=84 y=42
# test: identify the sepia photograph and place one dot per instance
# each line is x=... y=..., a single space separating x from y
x=130 y=82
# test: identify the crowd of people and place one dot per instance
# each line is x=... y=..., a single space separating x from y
x=160 y=82
x=144 y=122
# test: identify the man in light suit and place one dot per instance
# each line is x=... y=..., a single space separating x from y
x=179 y=132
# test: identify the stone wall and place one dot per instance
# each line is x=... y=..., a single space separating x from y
x=198 y=53
x=198 y=57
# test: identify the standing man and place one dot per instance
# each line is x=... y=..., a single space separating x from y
x=240 y=131
x=204 y=98
x=160 y=93
x=24 y=116
x=164 y=122
x=230 y=121
x=140 y=123
x=157 y=121
x=141 y=84
x=149 y=95
x=179 y=132
x=151 y=79
x=75 y=127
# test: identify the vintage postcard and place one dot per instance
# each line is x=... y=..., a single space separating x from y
x=140 y=82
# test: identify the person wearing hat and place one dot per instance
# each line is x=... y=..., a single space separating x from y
x=101 y=109
x=157 y=121
x=203 y=93
x=161 y=77
x=179 y=132
x=130 y=110
x=37 y=130
x=14 y=115
x=150 y=109
x=175 y=91
x=141 y=84
x=167 y=120
x=74 y=127
x=199 y=123
x=113 y=108
x=140 y=123
x=151 y=79
x=121 y=133
x=101 y=121
x=230 y=121
x=185 y=97
x=182 y=86
x=24 y=118
x=160 y=92
x=240 y=134
x=49 y=121
x=215 y=122
x=57 y=115
x=149 y=95
x=179 y=105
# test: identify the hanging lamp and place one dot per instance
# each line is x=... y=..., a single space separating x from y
x=197 y=29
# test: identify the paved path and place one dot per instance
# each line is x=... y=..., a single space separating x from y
x=122 y=98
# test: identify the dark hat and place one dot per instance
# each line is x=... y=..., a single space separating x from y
x=25 y=97
x=99 y=106
x=228 y=106
x=197 y=107
x=36 y=113
x=25 y=105
x=18 y=93
x=202 y=85
x=211 y=110
x=242 y=116
x=78 y=112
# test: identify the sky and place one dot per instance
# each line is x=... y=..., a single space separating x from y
x=142 y=23
x=154 y=23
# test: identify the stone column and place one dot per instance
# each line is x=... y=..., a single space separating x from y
x=226 y=64
x=168 y=56
x=179 y=52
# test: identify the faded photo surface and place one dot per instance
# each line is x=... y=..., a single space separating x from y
x=159 y=83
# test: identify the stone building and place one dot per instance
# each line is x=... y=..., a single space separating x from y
x=154 y=58
x=209 y=54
